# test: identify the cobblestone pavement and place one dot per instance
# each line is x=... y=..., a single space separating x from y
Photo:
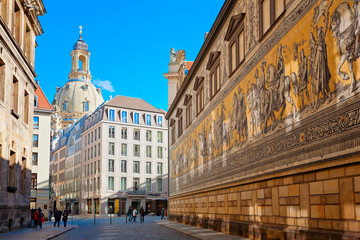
x=120 y=230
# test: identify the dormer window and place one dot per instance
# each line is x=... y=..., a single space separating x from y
x=67 y=87
x=235 y=36
x=188 y=105
x=159 y=121
x=148 y=119
x=199 y=88
x=136 y=118
x=86 y=106
x=214 y=67
x=36 y=104
x=85 y=87
x=111 y=115
x=124 y=116
x=65 y=105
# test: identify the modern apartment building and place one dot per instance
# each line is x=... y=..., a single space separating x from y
x=124 y=157
x=19 y=26
x=41 y=152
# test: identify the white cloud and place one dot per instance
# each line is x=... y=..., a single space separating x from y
x=105 y=85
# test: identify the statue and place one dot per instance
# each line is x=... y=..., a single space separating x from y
x=173 y=55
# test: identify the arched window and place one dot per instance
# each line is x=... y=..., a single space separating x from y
x=86 y=106
x=65 y=105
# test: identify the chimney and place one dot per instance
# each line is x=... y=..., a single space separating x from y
x=206 y=34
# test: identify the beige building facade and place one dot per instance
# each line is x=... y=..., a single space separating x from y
x=124 y=158
x=19 y=25
x=264 y=130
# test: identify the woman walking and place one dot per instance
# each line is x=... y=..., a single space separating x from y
x=142 y=214
x=65 y=217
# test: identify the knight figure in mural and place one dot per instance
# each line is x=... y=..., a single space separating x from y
x=345 y=25
x=303 y=79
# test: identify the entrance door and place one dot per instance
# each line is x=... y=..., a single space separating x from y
x=136 y=204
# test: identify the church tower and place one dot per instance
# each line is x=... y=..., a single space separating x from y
x=78 y=96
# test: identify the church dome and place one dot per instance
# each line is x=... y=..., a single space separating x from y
x=80 y=45
x=77 y=98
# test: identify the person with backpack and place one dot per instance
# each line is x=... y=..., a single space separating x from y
x=134 y=213
x=65 y=217
x=41 y=217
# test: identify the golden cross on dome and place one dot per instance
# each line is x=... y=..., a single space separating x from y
x=80 y=30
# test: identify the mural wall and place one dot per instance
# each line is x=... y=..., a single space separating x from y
x=281 y=105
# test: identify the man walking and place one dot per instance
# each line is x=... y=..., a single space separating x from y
x=65 y=217
x=162 y=213
x=129 y=213
x=142 y=214
x=57 y=216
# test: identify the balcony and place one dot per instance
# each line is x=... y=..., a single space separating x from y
x=136 y=193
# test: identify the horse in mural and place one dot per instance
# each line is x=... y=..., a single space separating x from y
x=345 y=25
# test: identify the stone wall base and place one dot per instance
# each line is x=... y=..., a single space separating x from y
x=263 y=231
x=14 y=218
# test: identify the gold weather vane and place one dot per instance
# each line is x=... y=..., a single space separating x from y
x=80 y=30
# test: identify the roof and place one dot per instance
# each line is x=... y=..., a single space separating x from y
x=132 y=103
x=43 y=103
x=189 y=65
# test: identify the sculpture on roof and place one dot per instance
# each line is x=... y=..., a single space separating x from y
x=173 y=55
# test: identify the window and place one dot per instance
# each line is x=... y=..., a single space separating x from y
x=159 y=185
x=136 y=118
x=91 y=169
x=148 y=167
x=86 y=106
x=99 y=165
x=173 y=128
x=148 y=119
x=95 y=134
x=65 y=105
x=94 y=183
x=148 y=185
x=35 y=140
x=136 y=182
x=179 y=115
x=123 y=184
x=123 y=116
x=111 y=165
x=148 y=151
x=159 y=121
x=159 y=168
x=111 y=132
x=111 y=115
x=188 y=114
x=136 y=150
x=95 y=151
x=270 y=11
x=36 y=123
x=2 y=77
x=92 y=137
x=89 y=138
x=123 y=133
x=123 y=149
x=214 y=67
x=199 y=88
x=94 y=167
x=26 y=107
x=123 y=166
x=14 y=93
x=111 y=183
x=33 y=180
x=99 y=132
x=160 y=152
x=111 y=148
x=35 y=159
x=159 y=137
x=36 y=102
x=98 y=183
x=85 y=140
x=91 y=153
x=136 y=167
x=235 y=36
x=99 y=149
x=137 y=134
x=148 y=135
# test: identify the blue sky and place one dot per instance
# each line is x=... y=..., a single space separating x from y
x=129 y=42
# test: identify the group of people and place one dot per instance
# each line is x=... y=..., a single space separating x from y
x=39 y=217
x=132 y=213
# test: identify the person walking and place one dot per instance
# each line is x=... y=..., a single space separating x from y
x=50 y=214
x=134 y=213
x=162 y=213
x=129 y=213
x=65 y=217
x=41 y=217
x=36 y=218
x=142 y=214
x=57 y=216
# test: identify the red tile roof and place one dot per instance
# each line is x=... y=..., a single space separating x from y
x=189 y=65
x=43 y=103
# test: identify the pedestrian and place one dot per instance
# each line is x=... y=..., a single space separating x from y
x=57 y=216
x=142 y=214
x=41 y=217
x=129 y=213
x=65 y=217
x=134 y=213
x=36 y=218
x=50 y=214
x=162 y=213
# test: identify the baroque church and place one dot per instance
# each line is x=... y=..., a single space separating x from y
x=78 y=96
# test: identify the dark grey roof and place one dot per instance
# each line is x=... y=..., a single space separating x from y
x=132 y=103
x=80 y=44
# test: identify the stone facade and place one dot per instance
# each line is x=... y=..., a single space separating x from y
x=19 y=25
x=271 y=149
